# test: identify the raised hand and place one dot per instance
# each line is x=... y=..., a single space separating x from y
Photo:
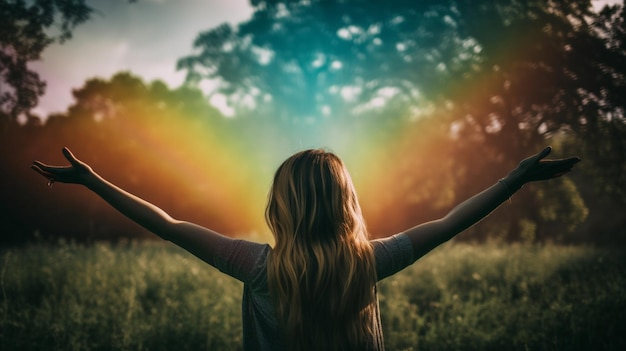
x=535 y=168
x=77 y=172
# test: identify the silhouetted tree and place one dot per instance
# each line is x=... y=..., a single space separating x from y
x=26 y=29
x=164 y=144
x=500 y=77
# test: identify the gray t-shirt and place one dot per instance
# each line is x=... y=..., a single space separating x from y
x=246 y=261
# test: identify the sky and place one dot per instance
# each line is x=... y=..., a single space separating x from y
x=146 y=37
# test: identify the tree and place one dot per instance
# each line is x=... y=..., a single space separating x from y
x=499 y=77
x=323 y=57
x=27 y=28
x=166 y=145
x=601 y=137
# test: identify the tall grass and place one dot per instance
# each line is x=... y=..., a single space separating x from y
x=508 y=298
x=153 y=296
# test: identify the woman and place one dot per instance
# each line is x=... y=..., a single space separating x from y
x=316 y=288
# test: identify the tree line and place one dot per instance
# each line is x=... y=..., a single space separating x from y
x=437 y=97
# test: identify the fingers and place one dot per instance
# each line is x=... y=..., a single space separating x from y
x=70 y=156
x=571 y=162
x=567 y=163
x=39 y=164
x=50 y=172
x=41 y=168
x=557 y=168
x=37 y=167
x=574 y=160
x=545 y=152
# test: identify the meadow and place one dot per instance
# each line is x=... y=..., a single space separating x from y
x=154 y=296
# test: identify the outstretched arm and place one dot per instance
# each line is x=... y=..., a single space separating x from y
x=198 y=240
x=427 y=236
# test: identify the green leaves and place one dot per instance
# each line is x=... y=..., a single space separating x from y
x=26 y=29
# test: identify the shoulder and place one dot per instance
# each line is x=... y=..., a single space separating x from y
x=399 y=243
x=242 y=259
x=392 y=254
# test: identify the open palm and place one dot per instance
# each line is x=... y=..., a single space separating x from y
x=76 y=172
x=535 y=168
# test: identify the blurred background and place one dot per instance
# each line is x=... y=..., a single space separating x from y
x=192 y=105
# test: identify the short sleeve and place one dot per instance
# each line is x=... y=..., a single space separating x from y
x=392 y=254
x=241 y=259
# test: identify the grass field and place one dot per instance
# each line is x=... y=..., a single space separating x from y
x=151 y=296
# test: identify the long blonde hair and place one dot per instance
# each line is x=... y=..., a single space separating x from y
x=321 y=272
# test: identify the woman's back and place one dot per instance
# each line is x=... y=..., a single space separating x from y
x=247 y=262
x=316 y=288
x=321 y=272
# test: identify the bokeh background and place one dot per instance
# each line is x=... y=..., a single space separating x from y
x=193 y=104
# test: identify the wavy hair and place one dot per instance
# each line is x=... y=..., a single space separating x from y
x=321 y=272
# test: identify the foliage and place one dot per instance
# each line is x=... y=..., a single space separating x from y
x=457 y=57
x=453 y=80
x=154 y=296
x=427 y=102
x=26 y=29
x=507 y=297
x=125 y=298
x=166 y=145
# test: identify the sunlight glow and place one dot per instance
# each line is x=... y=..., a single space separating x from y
x=350 y=93
x=221 y=103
